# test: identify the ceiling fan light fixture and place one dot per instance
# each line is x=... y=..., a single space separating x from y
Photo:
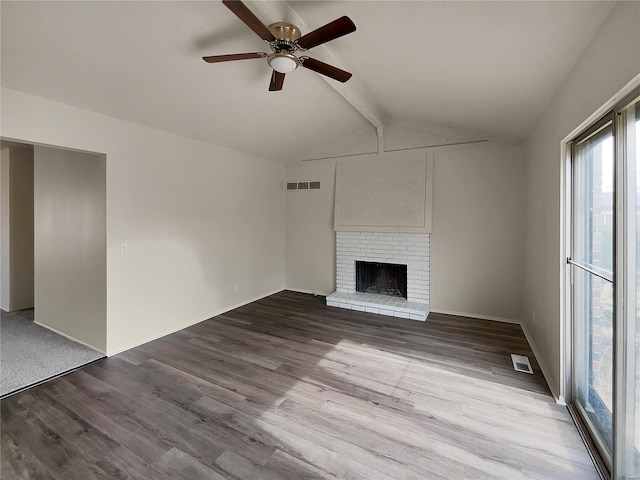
x=283 y=62
x=285 y=40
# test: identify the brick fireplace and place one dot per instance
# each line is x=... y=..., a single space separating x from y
x=383 y=215
x=398 y=248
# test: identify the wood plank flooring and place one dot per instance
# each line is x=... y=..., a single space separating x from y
x=287 y=388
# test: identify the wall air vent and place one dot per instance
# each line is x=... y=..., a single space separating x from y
x=303 y=185
x=521 y=363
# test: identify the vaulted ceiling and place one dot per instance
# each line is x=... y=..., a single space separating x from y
x=435 y=71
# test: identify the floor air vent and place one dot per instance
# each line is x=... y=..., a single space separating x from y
x=521 y=363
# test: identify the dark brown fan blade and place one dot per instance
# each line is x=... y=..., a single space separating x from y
x=330 y=31
x=326 y=69
x=235 y=56
x=277 y=80
x=243 y=13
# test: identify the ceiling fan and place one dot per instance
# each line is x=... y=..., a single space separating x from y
x=285 y=40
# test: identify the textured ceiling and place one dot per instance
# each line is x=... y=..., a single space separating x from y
x=468 y=69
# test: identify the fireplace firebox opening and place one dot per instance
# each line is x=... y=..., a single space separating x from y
x=381 y=278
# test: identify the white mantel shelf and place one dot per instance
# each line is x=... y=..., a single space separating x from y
x=379 y=304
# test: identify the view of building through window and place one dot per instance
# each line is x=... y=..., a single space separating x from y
x=602 y=292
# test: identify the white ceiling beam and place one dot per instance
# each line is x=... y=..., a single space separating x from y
x=271 y=12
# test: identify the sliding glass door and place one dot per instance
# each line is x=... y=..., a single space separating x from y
x=592 y=275
x=605 y=286
x=627 y=392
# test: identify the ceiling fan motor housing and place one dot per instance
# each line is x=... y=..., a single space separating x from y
x=286 y=35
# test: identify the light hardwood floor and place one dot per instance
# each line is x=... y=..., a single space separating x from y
x=288 y=388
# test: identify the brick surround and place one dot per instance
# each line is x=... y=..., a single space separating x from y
x=411 y=249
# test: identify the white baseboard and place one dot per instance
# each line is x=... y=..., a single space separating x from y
x=475 y=315
x=65 y=335
x=560 y=400
x=298 y=290
x=16 y=309
x=151 y=338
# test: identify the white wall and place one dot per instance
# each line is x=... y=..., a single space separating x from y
x=611 y=60
x=21 y=192
x=477 y=239
x=310 y=235
x=478 y=232
x=5 y=228
x=70 y=244
x=16 y=245
x=196 y=218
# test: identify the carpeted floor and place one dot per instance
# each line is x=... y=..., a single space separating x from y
x=30 y=353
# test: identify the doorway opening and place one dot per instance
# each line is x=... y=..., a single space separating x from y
x=52 y=262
